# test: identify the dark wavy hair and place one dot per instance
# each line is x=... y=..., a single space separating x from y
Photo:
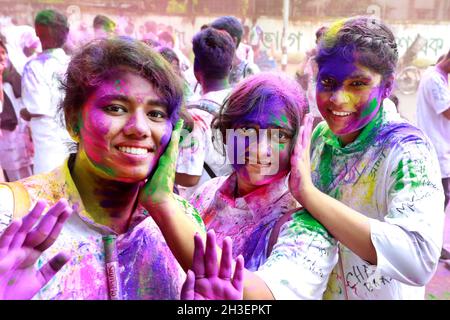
x=101 y=59
x=231 y=25
x=214 y=52
x=257 y=92
x=365 y=39
x=57 y=24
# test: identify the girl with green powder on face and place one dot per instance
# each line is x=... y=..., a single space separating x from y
x=370 y=178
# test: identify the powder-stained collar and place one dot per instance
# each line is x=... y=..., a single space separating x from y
x=257 y=200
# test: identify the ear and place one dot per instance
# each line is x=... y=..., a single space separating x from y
x=388 y=86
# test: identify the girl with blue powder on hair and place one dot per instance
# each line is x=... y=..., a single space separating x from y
x=370 y=178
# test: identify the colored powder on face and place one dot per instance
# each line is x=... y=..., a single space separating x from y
x=372 y=106
x=284 y=119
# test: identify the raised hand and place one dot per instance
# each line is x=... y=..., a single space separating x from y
x=300 y=176
x=21 y=244
x=208 y=281
x=159 y=188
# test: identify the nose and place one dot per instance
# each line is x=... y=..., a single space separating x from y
x=264 y=147
x=137 y=125
x=339 y=97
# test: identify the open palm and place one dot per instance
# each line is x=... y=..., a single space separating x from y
x=208 y=281
x=21 y=245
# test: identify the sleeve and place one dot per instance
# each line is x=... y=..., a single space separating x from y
x=408 y=242
x=440 y=94
x=192 y=149
x=6 y=207
x=36 y=94
x=301 y=261
x=191 y=212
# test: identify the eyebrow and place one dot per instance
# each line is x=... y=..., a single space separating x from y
x=124 y=98
x=271 y=126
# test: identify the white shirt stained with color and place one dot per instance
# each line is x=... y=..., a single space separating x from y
x=390 y=173
x=41 y=95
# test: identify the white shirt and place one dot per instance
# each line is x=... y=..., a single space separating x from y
x=433 y=98
x=390 y=173
x=41 y=94
x=199 y=148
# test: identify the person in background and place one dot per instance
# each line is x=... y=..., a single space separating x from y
x=41 y=93
x=240 y=68
x=103 y=26
x=433 y=117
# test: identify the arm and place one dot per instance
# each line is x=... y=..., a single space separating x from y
x=345 y=224
x=405 y=244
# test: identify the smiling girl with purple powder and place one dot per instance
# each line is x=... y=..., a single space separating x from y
x=287 y=253
x=375 y=182
x=121 y=105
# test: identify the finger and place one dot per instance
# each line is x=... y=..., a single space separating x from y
x=211 y=255
x=226 y=259
x=238 y=277
x=198 y=265
x=49 y=270
x=54 y=233
x=187 y=290
x=8 y=235
x=172 y=148
x=44 y=228
x=27 y=223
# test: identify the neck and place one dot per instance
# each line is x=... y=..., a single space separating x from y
x=443 y=66
x=110 y=203
x=214 y=85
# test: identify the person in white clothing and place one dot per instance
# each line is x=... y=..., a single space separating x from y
x=433 y=117
x=372 y=179
x=41 y=92
x=198 y=159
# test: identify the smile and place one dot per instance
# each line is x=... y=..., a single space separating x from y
x=341 y=114
x=133 y=150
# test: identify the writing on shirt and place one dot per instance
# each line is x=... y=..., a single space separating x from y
x=365 y=276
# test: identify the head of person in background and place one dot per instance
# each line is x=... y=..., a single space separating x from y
x=259 y=123
x=104 y=27
x=51 y=28
x=170 y=56
x=349 y=97
x=3 y=55
x=232 y=26
x=166 y=39
x=214 y=51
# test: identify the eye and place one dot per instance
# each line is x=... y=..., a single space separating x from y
x=281 y=135
x=157 y=114
x=115 y=109
x=357 y=83
x=327 y=83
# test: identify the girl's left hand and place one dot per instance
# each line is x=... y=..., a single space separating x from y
x=158 y=191
x=300 y=176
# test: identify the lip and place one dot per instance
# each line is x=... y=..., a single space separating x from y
x=134 y=157
x=340 y=117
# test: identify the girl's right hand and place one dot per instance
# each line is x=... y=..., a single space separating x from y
x=300 y=177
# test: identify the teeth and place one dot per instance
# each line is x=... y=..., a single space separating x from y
x=340 y=114
x=130 y=150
